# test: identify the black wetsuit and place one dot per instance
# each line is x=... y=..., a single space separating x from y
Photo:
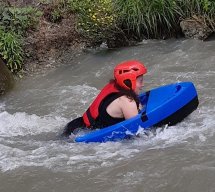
x=103 y=120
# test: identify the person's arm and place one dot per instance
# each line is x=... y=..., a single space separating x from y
x=128 y=107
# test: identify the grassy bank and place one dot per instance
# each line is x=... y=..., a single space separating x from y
x=115 y=22
x=142 y=19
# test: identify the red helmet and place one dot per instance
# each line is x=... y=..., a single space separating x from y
x=128 y=70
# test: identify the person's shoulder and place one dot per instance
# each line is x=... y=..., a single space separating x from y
x=128 y=107
x=126 y=100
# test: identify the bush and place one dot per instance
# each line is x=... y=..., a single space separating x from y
x=96 y=18
x=11 y=50
x=198 y=7
x=149 y=18
x=14 y=23
x=55 y=10
x=19 y=19
x=156 y=18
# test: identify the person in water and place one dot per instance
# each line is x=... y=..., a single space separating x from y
x=117 y=101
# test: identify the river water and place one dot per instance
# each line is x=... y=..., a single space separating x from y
x=179 y=158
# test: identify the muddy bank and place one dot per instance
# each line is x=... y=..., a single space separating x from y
x=44 y=48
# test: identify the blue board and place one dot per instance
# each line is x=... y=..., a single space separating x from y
x=167 y=104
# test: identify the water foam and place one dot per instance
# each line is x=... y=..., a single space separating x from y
x=71 y=157
x=21 y=124
x=199 y=126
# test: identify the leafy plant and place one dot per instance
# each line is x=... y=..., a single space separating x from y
x=56 y=10
x=55 y=16
x=96 y=18
x=14 y=23
x=11 y=49
x=19 y=19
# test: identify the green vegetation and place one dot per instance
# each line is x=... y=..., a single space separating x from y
x=19 y=19
x=156 y=18
x=97 y=19
x=149 y=18
x=57 y=9
x=14 y=23
x=11 y=49
x=101 y=20
x=202 y=8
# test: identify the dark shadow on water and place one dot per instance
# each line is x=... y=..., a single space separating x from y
x=211 y=37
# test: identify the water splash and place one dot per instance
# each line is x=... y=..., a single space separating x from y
x=69 y=157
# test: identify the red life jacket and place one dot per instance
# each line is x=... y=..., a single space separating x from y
x=92 y=112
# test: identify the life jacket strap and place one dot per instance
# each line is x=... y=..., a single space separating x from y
x=88 y=119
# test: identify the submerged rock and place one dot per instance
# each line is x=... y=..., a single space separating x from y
x=6 y=78
x=196 y=28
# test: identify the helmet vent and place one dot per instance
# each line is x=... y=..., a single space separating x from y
x=135 y=69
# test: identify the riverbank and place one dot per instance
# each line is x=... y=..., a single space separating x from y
x=71 y=26
x=45 y=46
